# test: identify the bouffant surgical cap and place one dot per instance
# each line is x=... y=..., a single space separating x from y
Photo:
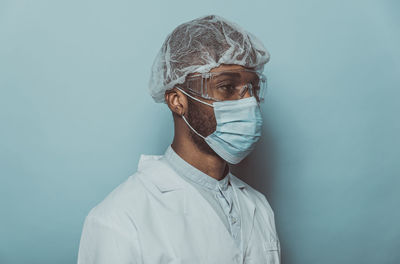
x=199 y=46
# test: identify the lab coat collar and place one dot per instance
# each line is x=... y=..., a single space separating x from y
x=168 y=182
x=185 y=169
x=152 y=166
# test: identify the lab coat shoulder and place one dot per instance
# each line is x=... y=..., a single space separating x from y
x=130 y=199
x=117 y=207
x=109 y=233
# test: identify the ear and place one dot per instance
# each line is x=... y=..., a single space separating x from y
x=176 y=101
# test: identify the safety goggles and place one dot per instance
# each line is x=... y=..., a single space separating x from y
x=227 y=85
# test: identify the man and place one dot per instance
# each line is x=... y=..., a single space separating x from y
x=186 y=206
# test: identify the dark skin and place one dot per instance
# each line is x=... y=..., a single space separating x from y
x=189 y=146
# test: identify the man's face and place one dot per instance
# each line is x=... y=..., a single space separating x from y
x=201 y=117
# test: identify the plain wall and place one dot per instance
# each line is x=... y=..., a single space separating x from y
x=75 y=115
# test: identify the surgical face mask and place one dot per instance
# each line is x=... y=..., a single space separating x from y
x=238 y=128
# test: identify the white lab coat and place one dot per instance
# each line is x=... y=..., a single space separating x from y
x=156 y=217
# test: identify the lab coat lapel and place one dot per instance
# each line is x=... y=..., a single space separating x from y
x=247 y=208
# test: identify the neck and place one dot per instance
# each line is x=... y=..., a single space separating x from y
x=212 y=165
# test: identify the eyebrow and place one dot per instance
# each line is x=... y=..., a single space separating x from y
x=233 y=75
x=230 y=74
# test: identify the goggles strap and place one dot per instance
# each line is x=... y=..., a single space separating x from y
x=194 y=98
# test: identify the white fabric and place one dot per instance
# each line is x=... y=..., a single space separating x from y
x=201 y=45
x=156 y=217
x=219 y=193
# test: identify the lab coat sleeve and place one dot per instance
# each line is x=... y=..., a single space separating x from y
x=105 y=243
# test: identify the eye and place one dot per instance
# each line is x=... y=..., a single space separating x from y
x=226 y=89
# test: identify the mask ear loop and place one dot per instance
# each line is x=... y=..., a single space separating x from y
x=187 y=123
x=183 y=117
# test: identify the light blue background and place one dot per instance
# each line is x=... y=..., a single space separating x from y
x=75 y=116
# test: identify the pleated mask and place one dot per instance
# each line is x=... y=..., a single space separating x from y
x=238 y=129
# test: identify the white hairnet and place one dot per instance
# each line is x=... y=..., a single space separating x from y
x=201 y=45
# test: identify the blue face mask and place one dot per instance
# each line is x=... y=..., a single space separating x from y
x=238 y=128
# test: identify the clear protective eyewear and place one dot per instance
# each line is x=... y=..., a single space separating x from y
x=226 y=85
